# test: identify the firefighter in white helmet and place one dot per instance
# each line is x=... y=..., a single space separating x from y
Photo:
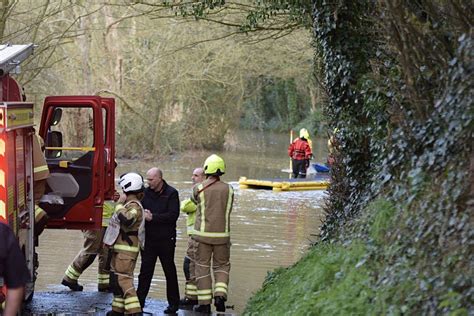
x=124 y=236
x=214 y=200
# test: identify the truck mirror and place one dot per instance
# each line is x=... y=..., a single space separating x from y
x=57 y=114
x=54 y=139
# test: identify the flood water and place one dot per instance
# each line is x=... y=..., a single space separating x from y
x=269 y=229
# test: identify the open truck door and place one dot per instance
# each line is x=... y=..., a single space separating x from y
x=78 y=132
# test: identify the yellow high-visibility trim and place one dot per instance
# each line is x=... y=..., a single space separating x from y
x=204 y=234
x=72 y=274
x=220 y=290
x=72 y=148
x=118 y=299
x=2 y=147
x=40 y=168
x=191 y=286
x=102 y=276
x=131 y=299
x=190 y=292
x=117 y=304
x=206 y=291
x=134 y=212
x=204 y=297
x=221 y=284
x=228 y=209
x=73 y=271
x=38 y=211
x=118 y=207
x=132 y=306
x=107 y=210
x=3 y=212
x=2 y=178
x=203 y=210
x=126 y=248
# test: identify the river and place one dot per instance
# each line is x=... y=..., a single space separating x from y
x=269 y=229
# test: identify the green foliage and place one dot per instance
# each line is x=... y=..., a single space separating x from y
x=329 y=280
x=402 y=102
x=278 y=104
x=382 y=212
x=345 y=44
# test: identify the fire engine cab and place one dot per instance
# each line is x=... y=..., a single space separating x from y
x=79 y=148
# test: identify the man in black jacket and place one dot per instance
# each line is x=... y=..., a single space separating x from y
x=161 y=204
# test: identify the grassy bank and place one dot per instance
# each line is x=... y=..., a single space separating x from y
x=329 y=280
x=363 y=273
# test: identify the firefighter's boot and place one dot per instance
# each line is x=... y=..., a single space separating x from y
x=72 y=285
x=219 y=303
x=113 y=313
x=203 y=309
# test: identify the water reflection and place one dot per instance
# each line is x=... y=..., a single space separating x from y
x=269 y=229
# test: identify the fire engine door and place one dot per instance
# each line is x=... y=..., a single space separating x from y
x=108 y=115
x=73 y=130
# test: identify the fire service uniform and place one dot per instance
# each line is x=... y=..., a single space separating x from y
x=214 y=200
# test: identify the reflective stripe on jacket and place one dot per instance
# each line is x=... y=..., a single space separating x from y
x=40 y=167
x=214 y=200
x=132 y=211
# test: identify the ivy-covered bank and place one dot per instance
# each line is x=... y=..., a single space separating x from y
x=398 y=235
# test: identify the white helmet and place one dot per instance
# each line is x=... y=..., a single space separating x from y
x=131 y=182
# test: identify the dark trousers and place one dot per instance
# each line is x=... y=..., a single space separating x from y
x=299 y=168
x=186 y=263
x=163 y=249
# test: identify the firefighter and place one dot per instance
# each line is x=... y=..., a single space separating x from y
x=40 y=175
x=188 y=207
x=91 y=248
x=300 y=153
x=211 y=234
x=125 y=237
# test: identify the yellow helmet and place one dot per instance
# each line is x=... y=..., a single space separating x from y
x=304 y=133
x=214 y=165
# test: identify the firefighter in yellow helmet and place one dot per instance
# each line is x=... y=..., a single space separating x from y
x=214 y=199
x=300 y=152
x=124 y=236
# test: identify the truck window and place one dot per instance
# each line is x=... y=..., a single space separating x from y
x=77 y=129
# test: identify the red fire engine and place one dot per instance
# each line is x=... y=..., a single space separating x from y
x=81 y=164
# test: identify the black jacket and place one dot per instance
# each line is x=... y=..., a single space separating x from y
x=12 y=262
x=164 y=206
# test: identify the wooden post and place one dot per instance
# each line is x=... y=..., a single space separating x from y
x=291 y=161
